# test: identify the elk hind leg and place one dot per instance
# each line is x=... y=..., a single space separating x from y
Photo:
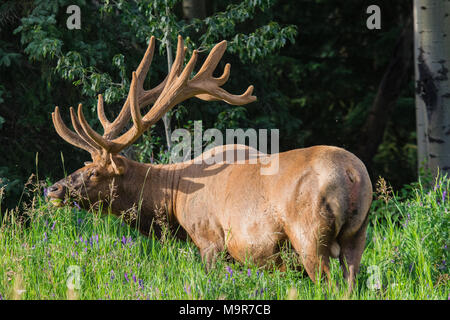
x=314 y=250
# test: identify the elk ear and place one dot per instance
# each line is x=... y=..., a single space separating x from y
x=117 y=165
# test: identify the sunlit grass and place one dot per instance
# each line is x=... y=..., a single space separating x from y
x=406 y=257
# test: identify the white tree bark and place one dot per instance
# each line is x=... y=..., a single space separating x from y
x=432 y=51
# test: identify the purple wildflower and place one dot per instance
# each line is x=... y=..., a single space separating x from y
x=443 y=196
x=249 y=272
x=112 y=275
x=45 y=237
x=45 y=192
x=124 y=240
x=187 y=289
x=141 y=284
x=126 y=277
x=230 y=271
x=77 y=205
x=53 y=226
x=134 y=278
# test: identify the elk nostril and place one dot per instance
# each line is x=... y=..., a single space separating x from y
x=53 y=188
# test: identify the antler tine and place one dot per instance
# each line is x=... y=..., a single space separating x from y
x=209 y=86
x=212 y=60
x=79 y=130
x=146 y=97
x=69 y=135
x=146 y=61
x=101 y=113
x=98 y=139
x=134 y=105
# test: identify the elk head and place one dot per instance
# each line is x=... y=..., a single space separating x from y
x=109 y=170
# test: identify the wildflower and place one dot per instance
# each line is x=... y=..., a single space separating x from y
x=134 y=278
x=249 y=272
x=45 y=192
x=443 y=196
x=45 y=237
x=126 y=277
x=53 y=226
x=141 y=284
x=230 y=271
x=77 y=205
x=187 y=289
x=112 y=275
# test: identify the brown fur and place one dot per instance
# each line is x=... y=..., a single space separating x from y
x=320 y=197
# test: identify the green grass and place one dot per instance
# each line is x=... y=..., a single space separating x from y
x=406 y=257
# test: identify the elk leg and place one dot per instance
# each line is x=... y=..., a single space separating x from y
x=209 y=255
x=352 y=248
x=312 y=249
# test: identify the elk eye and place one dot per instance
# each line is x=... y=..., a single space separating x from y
x=93 y=173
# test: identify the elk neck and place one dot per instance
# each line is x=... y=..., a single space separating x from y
x=152 y=189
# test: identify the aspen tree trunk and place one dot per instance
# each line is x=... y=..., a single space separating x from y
x=432 y=51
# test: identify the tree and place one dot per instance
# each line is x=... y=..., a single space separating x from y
x=393 y=82
x=432 y=46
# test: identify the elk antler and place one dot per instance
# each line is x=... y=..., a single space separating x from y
x=176 y=88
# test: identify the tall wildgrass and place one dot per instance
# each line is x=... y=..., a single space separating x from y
x=68 y=253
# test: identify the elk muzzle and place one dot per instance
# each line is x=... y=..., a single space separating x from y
x=56 y=194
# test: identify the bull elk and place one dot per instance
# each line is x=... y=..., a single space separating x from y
x=319 y=199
